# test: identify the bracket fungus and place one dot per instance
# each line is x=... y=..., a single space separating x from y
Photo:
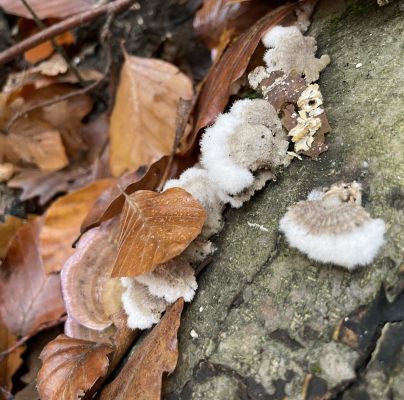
x=333 y=227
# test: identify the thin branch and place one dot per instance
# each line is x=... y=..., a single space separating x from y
x=25 y=338
x=55 y=44
x=57 y=99
x=63 y=26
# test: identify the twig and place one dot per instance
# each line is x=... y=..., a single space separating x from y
x=67 y=96
x=25 y=338
x=63 y=26
x=55 y=44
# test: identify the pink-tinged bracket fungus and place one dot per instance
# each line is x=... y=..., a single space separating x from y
x=333 y=227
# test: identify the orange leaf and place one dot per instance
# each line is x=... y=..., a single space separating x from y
x=71 y=367
x=141 y=377
x=155 y=227
x=62 y=224
x=28 y=297
x=47 y=8
x=143 y=121
x=45 y=49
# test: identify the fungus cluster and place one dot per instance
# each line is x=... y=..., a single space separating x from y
x=244 y=149
x=331 y=226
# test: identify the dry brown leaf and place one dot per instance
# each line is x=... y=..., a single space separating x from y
x=28 y=296
x=62 y=224
x=46 y=185
x=143 y=119
x=10 y=363
x=141 y=377
x=86 y=272
x=8 y=229
x=155 y=227
x=218 y=17
x=71 y=368
x=47 y=8
x=33 y=141
x=230 y=67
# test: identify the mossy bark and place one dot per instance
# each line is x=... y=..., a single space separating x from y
x=271 y=323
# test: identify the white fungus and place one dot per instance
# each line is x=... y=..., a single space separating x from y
x=240 y=142
x=171 y=281
x=143 y=309
x=332 y=227
x=290 y=51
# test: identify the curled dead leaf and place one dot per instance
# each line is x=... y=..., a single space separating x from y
x=23 y=277
x=155 y=227
x=143 y=122
x=85 y=273
x=141 y=377
x=71 y=368
x=62 y=224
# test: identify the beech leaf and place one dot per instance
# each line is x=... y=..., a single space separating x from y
x=85 y=273
x=141 y=377
x=155 y=227
x=23 y=278
x=143 y=121
x=71 y=367
x=62 y=224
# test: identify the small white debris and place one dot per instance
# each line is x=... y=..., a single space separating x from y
x=358 y=65
x=200 y=309
x=193 y=334
x=260 y=227
x=139 y=20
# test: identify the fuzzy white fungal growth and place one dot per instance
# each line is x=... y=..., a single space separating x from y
x=143 y=309
x=244 y=140
x=196 y=181
x=171 y=281
x=332 y=227
x=290 y=51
